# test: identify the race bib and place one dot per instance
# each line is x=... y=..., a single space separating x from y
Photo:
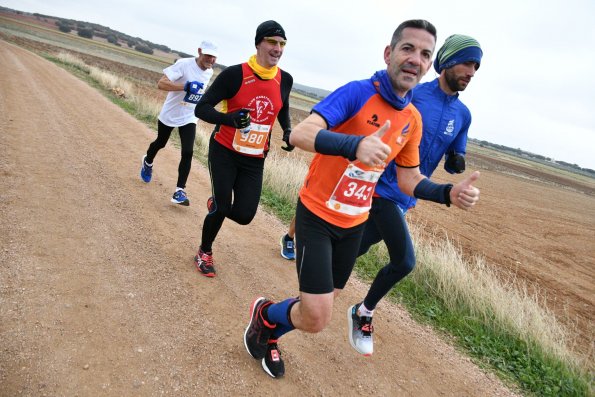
x=252 y=142
x=353 y=193
x=192 y=98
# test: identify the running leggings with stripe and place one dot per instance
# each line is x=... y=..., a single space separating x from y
x=187 y=134
x=236 y=183
x=387 y=222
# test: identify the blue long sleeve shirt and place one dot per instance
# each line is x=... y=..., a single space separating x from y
x=446 y=122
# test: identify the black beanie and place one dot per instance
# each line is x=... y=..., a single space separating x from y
x=268 y=29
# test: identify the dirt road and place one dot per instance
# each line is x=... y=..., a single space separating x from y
x=98 y=292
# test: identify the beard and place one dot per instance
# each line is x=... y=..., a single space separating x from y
x=452 y=81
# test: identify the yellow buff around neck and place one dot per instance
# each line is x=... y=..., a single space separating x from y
x=262 y=72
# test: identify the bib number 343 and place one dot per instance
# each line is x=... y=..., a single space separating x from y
x=353 y=193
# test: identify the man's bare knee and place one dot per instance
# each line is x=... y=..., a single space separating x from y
x=314 y=312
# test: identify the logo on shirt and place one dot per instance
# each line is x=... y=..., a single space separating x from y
x=450 y=127
x=373 y=120
x=263 y=108
x=402 y=138
x=405 y=129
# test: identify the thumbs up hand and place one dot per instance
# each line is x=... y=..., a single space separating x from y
x=371 y=151
x=464 y=195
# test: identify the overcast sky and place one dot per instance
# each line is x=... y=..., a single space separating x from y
x=535 y=89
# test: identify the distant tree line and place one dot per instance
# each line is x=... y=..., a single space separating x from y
x=308 y=93
x=90 y=30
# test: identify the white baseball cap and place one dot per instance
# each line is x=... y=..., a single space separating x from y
x=208 y=48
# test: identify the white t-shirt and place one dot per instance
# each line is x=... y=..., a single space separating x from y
x=178 y=109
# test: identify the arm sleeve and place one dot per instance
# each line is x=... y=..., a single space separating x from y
x=225 y=86
x=283 y=116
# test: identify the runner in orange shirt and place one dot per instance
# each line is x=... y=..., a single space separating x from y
x=355 y=132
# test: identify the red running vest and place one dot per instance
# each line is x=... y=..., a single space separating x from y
x=263 y=99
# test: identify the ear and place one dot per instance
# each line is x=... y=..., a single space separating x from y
x=387 y=52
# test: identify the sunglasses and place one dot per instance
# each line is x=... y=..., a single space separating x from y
x=274 y=42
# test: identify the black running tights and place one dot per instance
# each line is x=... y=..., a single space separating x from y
x=236 y=183
x=387 y=222
x=187 y=134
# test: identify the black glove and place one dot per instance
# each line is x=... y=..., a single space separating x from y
x=455 y=163
x=288 y=146
x=239 y=119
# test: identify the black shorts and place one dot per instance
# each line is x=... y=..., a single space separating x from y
x=325 y=253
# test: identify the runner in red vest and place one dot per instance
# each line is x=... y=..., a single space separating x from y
x=355 y=132
x=253 y=94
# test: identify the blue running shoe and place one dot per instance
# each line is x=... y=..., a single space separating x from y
x=146 y=171
x=180 y=197
x=287 y=248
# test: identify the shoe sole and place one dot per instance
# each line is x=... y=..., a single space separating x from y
x=185 y=203
x=142 y=165
x=350 y=332
x=256 y=301
x=210 y=275
x=282 y=254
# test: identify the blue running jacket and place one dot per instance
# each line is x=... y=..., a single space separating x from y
x=446 y=122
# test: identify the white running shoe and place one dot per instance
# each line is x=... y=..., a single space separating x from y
x=360 y=331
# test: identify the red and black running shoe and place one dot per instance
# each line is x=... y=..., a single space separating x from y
x=272 y=363
x=258 y=332
x=204 y=263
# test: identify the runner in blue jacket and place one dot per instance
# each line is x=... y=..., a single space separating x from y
x=446 y=121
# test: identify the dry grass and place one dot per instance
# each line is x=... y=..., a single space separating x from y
x=72 y=60
x=501 y=301
x=111 y=81
x=201 y=144
x=285 y=173
x=146 y=107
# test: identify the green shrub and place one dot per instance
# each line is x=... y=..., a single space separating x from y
x=144 y=49
x=86 y=33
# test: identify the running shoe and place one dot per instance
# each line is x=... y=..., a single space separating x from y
x=272 y=363
x=360 y=331
x=180 y=197
x=146 y=171
x=204 y=263
x=287 y=248
x=258 y=332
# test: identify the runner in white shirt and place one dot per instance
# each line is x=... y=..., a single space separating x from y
x=186 y=80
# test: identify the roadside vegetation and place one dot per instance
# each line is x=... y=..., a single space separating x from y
x=492 y=317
